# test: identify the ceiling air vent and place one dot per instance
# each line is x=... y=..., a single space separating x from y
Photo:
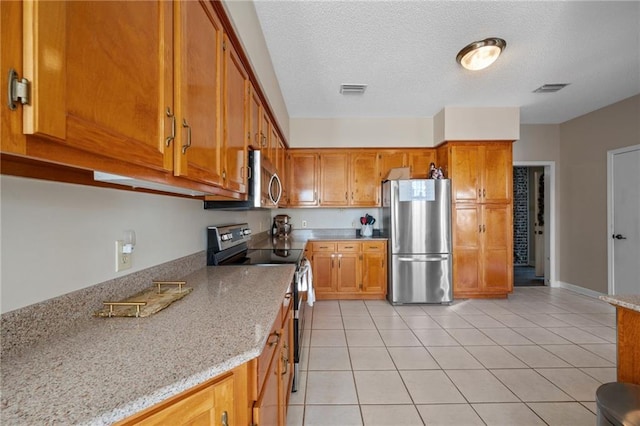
x=550 y=88
x=356 y=89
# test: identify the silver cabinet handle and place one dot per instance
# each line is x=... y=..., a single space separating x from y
x=224 y=418
x=172 y=136
x=188 y=144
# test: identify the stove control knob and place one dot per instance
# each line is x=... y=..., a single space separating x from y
x=226 y=237
x=246 y=231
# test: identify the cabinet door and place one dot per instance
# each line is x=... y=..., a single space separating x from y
x=465 y=173
x=210 y=406
x=497 y=173
x=303 y=179
x=323 y=268
x=265 y=134
x=497 y=253
x=255 y=117
x=466 y=248
x=273 y=144
x=236 y=87
x=334 y=179
x=419 y=162
x=102 y=80
x=374 y=268
x=364 y=179
x=348 y=274
x=198 y=39
x=265 y=410
x=389 y=160
x=285 y=369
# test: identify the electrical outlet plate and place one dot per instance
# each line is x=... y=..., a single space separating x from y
x=304 y=223
x=123 y=260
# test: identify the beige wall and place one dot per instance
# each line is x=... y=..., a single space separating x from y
x=469 y=123
x=538 y=142
x=57 y=237
x=582 y=231
x=246 y=25
x=361 y=132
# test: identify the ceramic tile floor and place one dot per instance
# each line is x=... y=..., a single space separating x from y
x=536 y=358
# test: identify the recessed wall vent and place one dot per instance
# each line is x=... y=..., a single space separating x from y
x=352 y=89
x=550 y=88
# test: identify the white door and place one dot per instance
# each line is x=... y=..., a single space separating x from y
x=624 y=220
x=548 y=212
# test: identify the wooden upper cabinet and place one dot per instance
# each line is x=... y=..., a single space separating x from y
x=419 y=162
x=273 y=144
x=334 y=179
x=364 y=179
x=388 y=160
x=481 y=172
x=497 y=173
x=236 y=95
x=101 y=79
x=265 y=134
x=198 y=69
x=303 y=179
x=255 y=119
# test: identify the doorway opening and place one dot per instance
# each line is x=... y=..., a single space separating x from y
x=533 y=227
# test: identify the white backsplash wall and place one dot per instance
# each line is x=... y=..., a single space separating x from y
x=58 y=237
x=324 y=218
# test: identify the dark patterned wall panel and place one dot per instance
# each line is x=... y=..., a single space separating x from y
x=520 y=216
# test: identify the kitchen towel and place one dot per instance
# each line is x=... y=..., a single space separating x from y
x=306 y=281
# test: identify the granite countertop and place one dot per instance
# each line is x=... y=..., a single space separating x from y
x=298 y=239
x=106 y=369
x=631 y=301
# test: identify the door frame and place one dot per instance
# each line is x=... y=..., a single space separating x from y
x=610 y=155
x=549 y=173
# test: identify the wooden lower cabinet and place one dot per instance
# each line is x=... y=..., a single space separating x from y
x=482 y=250
x=271 y=395
x=219 y=401
x=374 y=268
x=349 y=269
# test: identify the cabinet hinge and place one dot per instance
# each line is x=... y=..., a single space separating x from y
x=18 y=90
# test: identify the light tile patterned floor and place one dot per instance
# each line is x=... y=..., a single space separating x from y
x=536 y=358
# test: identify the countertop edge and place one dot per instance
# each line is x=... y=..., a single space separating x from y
x=631 y=301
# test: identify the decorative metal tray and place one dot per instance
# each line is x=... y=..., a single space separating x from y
x=146 y=302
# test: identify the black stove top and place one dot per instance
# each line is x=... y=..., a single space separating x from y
x=273 y=256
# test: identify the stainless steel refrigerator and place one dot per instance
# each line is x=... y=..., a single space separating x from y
x=416 y=216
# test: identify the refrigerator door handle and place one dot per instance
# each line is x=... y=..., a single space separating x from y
x=427 y=258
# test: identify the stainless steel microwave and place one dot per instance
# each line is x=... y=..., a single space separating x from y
x=264 y=188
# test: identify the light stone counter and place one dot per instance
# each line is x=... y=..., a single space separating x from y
x=106 y=369
x=299 y=238
x=631 y=302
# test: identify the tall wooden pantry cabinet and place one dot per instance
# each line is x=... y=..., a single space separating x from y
x=481 y=176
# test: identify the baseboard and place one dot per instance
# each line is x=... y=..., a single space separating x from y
x=577 y=289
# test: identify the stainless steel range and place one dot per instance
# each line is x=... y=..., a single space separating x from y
x=232 y=245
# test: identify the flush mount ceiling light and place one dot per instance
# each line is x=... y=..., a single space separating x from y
x=480 y=54
x=355 y=89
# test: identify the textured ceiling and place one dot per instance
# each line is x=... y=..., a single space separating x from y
x=405 y=52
